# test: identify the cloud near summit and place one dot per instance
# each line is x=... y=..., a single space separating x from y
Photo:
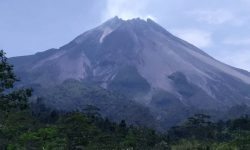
x=127 y=9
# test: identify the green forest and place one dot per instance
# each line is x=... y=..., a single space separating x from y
x=23 y=128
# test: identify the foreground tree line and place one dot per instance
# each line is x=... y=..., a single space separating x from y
x=23 y=127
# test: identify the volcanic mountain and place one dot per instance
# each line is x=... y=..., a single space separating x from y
x=139 y=59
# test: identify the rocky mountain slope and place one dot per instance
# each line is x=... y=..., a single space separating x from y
x=143 y=61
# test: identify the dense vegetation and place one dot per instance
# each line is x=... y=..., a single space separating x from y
x=25 y=126
x=200 y=133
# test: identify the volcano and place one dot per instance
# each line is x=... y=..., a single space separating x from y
x=159 y=73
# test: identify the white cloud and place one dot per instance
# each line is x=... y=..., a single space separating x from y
x=199 y=38
x=127 y=9
x=237 y=41
x=217 y=16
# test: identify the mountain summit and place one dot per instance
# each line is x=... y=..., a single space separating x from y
x=140 y=59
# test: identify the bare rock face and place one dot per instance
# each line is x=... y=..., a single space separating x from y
x=142 y=60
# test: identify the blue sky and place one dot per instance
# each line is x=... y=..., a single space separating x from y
x=219 y=27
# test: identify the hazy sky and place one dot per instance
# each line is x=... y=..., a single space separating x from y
x=219 y=27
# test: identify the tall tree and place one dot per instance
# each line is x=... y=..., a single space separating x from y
x=10 y=99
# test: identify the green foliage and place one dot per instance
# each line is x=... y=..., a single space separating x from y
x=14 y=118
x=16 y=100
x=7 y=77
x=47 y=138
x=199 y=133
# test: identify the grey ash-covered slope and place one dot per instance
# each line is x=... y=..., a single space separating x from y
x=142 y=60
